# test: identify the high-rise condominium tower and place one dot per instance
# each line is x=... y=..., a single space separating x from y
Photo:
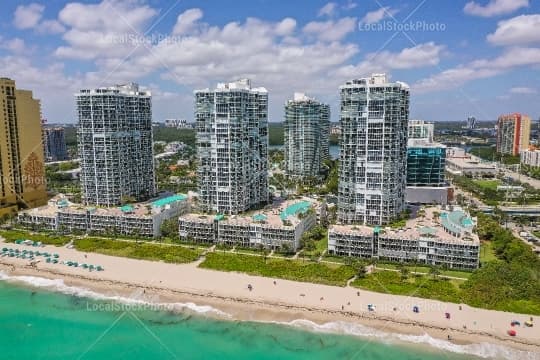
x=55 y=144
x=373 y=160
x=22 y=171
x=232 y=144
x=115 y=145
x=306 y=128
x=513 y=133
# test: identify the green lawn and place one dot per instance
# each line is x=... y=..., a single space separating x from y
x=418 y=286
x=486 y=252
x=488 y=184
x=285 y=269
x=536 y=233
x=49 y=239
x=425 y=270
x=138 y=250
x=320 y=247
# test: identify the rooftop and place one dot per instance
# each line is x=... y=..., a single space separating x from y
x=143 y=209
x=471 y=162
x=273 y=216
x=130 y=89
x=430 y=226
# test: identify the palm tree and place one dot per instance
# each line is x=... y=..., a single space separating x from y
x=404 y=272
x=434 y=271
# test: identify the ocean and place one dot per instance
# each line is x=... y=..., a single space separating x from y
x=46 y=319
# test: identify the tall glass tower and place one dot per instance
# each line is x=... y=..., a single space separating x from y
x=115 y=145
x=373 y=159
x=232 y=145
x=306 y=128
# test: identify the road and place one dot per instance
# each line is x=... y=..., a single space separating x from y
x=517 y=229
x=522 y=178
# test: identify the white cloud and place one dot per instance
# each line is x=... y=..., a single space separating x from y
x=494 y=7
x=110 y=29
x=187 y=21
x=331 y=30
x=419 y=56
x=28 y=16
x=350 y=5
x=479 y=69
x=15 y=46
x=286 y=27
x=520 y=30
x=50 y=27
x=328 y=10
x=523 y=90
x=373 y=17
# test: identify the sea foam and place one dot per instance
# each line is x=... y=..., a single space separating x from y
x=482 y=350
x=58 y=285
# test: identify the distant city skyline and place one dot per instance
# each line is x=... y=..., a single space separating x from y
x=56 y=48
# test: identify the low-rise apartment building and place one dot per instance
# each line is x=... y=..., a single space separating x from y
x=440 y=237
x=277 y=227
x=140 y=219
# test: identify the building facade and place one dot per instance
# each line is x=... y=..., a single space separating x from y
x=306 y=136
x=513 y=134
x=530 y=157
x=141 y=219
x=55 y=144
x=420 y=129
x=448 y=241
x=115 y=145
x=426 y=163
x=22 y=168
x=275 y=228
x=471 y=123
x=373 y=158
x=232 y=146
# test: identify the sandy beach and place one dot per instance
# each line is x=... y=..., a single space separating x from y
x=278 y=300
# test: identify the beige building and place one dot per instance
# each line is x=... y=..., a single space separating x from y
x=513 y=133
x=21 y=150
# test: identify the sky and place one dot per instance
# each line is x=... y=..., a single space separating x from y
x=461 y=58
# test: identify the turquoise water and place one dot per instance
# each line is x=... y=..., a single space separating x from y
x=40 y=324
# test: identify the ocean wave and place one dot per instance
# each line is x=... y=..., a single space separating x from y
x=137 y=298
x=482 y=350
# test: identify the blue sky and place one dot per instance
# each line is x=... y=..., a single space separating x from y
x=460 y=58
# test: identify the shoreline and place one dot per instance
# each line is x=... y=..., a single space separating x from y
x=279 y=308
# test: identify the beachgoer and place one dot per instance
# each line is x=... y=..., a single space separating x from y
x=349 y=303
x=358 y=293
x=342 y=307
x=274 y=282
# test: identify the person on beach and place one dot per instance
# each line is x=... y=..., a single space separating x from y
x=250 y=287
